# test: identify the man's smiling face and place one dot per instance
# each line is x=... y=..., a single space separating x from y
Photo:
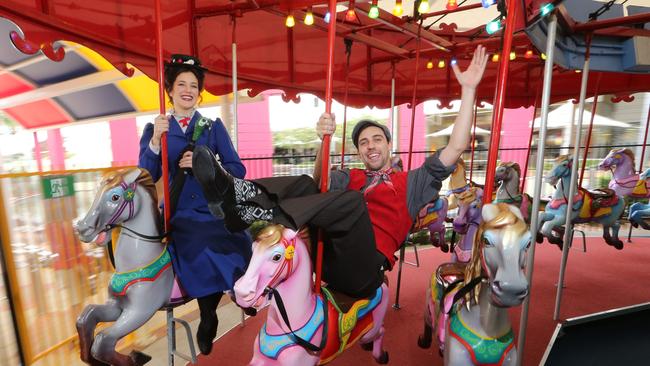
x=374 y=148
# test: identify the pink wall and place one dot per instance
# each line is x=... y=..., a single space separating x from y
x=55 y=148
x=515 y=134
x=404 y=115
x=255 y=139
x=124 y=142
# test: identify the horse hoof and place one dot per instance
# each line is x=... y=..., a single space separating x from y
x=366 y=346
x=139 y=358
x=383 y=359
x=635 y=225
x=423 y=342
x=95 y=362
x=444 y=248
x=618 y=244
x=540 y=238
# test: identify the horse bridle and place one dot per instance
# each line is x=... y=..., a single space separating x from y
x=289 y=251
x=128 y=201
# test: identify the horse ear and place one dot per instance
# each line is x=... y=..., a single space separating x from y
x=489 y=212
x=131 y=175
x=516 y=211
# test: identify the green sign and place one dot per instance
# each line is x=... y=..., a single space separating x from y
x=58 y=186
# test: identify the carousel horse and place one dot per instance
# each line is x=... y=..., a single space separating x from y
x=467 y=304
x=431 y=217
x=468 y=198
x=601 y=206
x=302 y=327
x=640 y=211
x=628 y=184
x=507 y=176
x=143 y=281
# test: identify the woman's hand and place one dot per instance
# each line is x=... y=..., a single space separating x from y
x=326 y=125
x=474 y=73
x=160 y=126
x=186 y=160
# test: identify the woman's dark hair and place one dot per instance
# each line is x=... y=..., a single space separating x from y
x=173 y=70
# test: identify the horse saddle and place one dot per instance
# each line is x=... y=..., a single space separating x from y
x=344 y=328
x=428 y=213
x=603 y=197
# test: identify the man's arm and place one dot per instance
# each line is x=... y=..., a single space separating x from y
x=469 y=80
x=326 y=125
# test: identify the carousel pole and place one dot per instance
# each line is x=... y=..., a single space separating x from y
x=499 y=100
x=161 y=99
x=524 y=173
x=591 y=127
x=568 y=232
x=413 y=99
x=348 y=52
x=325 y=147
x=539 y=173
x=393 y=120
x=402 y=250
x=235 y=96
x=473 y=142
x=645 y=141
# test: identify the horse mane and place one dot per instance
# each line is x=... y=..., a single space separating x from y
x=474 y=268
x=561 y=158
x=513 y=165
x=630 y=154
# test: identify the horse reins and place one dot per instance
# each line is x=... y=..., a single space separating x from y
x=273 y=292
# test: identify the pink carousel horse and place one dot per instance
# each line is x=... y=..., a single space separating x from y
x=467 y=303
x=302 y=327
x=628 y=184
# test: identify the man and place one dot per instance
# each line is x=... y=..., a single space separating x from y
x=366 y=214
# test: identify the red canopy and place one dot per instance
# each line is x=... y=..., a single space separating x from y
x=271 y=56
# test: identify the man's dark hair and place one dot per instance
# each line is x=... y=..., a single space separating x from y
x=362 y=125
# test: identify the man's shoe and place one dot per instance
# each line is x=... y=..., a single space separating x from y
x=206 y=333
x=216 y=183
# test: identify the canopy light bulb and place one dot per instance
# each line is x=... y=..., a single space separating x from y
x=309 y=18
x=398 y=10
x=493 y=26
x=373 y=13
x=529 y=54
x=424 y=6
x=546 y=9
x=326 y=18
x=495 y=57
x=513 y=55
x=350 y=15
x=441 y=64
x=430 y=65
x=543 y=55
x=452 y=4
x=487 y=3
x=290 y=21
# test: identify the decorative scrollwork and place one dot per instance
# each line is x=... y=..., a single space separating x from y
x=28 y=47
x=627 y=98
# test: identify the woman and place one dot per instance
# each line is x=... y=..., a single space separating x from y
x=206 y=257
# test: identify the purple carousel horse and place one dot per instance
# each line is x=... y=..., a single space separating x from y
x=628 y=184
x=431 y=217
x=302 y=327
x=467 y=303
x=468 y=199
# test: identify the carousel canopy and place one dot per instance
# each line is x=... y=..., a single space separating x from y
x=273 y=56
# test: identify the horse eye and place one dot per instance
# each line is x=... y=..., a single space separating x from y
x=277 y=257
x=486 y=243
x=115 y=197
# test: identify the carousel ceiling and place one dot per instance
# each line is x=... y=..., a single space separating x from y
x=45 y=82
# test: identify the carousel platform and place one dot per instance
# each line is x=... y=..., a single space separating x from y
x=597 y=280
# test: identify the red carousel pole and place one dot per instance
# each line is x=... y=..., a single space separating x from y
x=413 y=100
x=325 y=147
x=591 y=127
x=348 y=52
x=499 y=101
x=161 y=95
